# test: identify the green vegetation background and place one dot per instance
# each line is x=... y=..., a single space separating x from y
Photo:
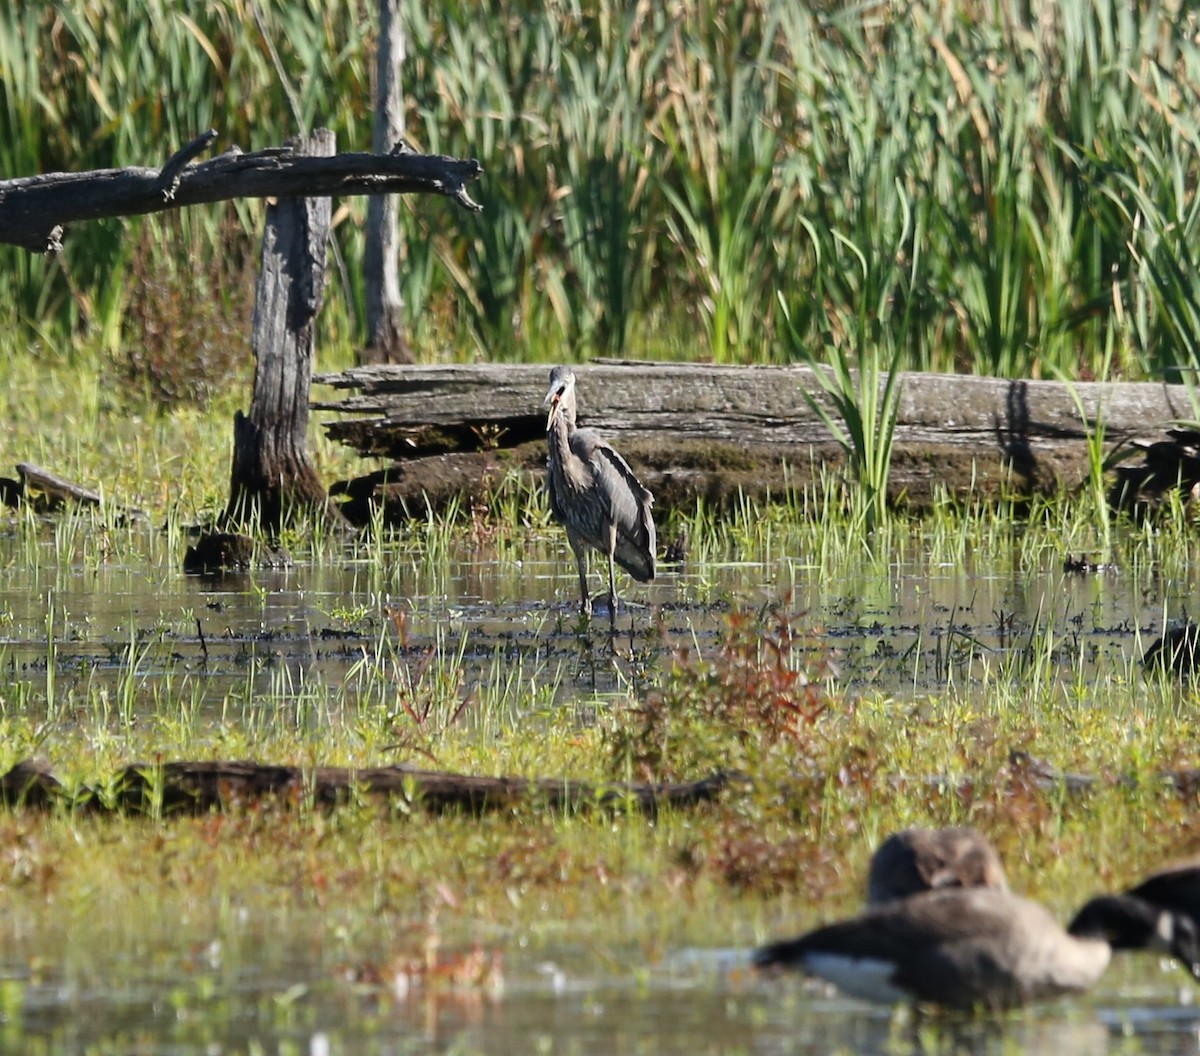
x=988 y=187
x=974 y=186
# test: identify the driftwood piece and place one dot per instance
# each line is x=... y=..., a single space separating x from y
x=272 y=475
x=35 y=209
x=199 y=787
x=46 y=492
x=716 y=432
x=52 y=491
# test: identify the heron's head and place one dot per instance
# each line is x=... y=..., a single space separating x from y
x=561 y=394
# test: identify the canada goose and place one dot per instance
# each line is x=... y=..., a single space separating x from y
x=969 y=948
x=917 y=860
x=1175 y=887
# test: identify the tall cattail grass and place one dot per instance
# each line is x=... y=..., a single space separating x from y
x=986 y=187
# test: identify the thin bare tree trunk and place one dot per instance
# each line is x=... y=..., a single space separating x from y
x=385 y=303
x=272 y=476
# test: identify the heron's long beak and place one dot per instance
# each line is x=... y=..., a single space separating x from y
x=552 y=401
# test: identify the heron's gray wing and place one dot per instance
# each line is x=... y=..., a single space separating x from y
x=628 y=501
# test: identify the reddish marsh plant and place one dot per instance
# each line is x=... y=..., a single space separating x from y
x=757 y=693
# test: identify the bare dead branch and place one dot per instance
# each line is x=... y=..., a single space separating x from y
x=168 y=179
x=35 y=209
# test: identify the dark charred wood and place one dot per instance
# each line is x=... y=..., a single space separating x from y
x=12 y=493
x=35 y=209
x=1177 y=650
x=200 y=787
x=32 y=784
x=219 y=552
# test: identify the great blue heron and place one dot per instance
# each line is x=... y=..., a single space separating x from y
x=594 y=495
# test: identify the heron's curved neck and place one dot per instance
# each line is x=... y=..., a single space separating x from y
x=564 y=463
x=562 y=425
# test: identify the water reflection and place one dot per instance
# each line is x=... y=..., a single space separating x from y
x=313 y=1007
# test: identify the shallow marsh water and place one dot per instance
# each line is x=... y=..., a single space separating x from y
x=141 y=638
x=905 y=626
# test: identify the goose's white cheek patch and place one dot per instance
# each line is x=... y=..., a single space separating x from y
x=857 y=977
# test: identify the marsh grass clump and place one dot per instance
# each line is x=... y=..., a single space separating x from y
x=754 y=694
x=187 y=323
x=755 y=852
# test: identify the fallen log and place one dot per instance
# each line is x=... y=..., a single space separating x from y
x=200 y=787
x=719 y=433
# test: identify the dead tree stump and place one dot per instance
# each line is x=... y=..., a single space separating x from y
x=381 y=269
x=272 y=477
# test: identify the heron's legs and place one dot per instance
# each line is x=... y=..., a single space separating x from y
x=581 y=562
x=612 y=572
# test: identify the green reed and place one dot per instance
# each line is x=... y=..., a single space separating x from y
x=974 y=187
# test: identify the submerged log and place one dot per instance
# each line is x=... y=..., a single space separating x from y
x=199 y=787
x=720 y=433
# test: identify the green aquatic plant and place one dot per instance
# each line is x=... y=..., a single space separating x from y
x=865 y=395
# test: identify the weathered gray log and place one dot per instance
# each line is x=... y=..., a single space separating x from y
x=717 y=432
x=272 y=476
x=55 y=491
x=34 y=209
x=198 y=787
x=381 y=254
